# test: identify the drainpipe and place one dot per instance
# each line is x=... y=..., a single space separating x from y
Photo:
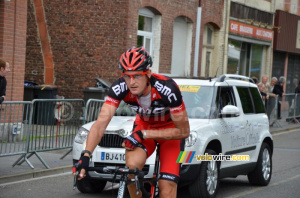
x=197 y=41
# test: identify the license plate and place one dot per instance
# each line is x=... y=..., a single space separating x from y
x=113 y=157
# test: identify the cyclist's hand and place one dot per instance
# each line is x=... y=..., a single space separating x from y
x=134 y=140
x=84 y=164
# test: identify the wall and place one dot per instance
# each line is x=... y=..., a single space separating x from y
x=212 y=13
x=88 y=37
x=13 y=25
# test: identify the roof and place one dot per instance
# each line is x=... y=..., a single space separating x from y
x=225 y=79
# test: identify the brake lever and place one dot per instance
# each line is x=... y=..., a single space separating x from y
x=76 y=171
x=75 y=180
x=137 y=185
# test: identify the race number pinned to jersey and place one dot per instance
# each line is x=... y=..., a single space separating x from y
x=189 y=88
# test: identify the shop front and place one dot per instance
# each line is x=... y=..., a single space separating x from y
x=248 y=46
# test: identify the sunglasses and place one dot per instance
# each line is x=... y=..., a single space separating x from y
x=134 y=76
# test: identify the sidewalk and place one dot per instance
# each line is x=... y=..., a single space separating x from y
x=52 y=158
x=24 y=171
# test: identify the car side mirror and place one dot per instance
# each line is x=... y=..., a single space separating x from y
x=229 y=111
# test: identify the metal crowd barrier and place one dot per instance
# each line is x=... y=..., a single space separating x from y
x=39 y=125
x=92 y=110
x=13 y=132
x=290 y=107
x=272 y=110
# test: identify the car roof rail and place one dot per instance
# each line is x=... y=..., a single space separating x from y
x=235 y=77
x=190 y=77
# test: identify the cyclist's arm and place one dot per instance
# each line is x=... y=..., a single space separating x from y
x=97 y=131
x=98 y=128
x=181 y=130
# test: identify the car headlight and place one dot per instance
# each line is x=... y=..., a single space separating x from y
x=191 y=140
x=81 y=135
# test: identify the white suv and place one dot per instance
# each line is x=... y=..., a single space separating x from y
x=226 y=116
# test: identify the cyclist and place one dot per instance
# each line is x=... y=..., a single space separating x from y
x=161 y=118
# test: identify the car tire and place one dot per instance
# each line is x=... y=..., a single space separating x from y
x=88 y=185
x=262 y=173
x=200 y=187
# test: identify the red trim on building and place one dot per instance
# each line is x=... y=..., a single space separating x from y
x=45 y=43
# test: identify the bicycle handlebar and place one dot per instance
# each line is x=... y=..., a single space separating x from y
x=139 y=175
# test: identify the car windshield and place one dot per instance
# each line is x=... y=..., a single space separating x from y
x=197 y=100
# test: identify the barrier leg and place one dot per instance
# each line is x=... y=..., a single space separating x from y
x=25 y=159
x=31 y=154
x=41 y=159
x=28 y=162
x=19 y=159
x=66 y=154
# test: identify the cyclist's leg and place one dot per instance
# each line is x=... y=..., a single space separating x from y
x=137 y=159
x=169 y=169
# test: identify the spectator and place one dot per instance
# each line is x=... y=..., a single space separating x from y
x=272 y=84
x=270 y=104
x=4 y=68
x=255 y=80
x=278 y=90
x=264 y=80
x=297 y=90
x=261 y=88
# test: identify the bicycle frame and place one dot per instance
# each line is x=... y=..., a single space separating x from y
x=124 y=172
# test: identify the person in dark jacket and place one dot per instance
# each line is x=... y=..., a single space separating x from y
x=297 y=90
x=4 y=68
x=278 y=90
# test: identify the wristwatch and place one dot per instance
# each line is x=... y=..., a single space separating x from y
x=86 y=151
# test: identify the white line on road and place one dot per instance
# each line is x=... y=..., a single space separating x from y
x=292 y=131
x=37 y=178
x=263 y=188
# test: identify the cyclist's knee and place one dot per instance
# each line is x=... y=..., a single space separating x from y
x=132 y=165
x=167 y=188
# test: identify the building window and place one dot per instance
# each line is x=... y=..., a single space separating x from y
x=145 y=29
x=209 y=36
x=208 y=51
x=207 y=63
x=148 y=35
x=182 y=46
x=244 y=58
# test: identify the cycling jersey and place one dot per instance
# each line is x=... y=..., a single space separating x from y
x=165 y=98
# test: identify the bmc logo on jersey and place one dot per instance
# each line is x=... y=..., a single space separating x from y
x=165 y=90
x=119 y=88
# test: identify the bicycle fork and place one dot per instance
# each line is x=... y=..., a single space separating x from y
x=122 y=188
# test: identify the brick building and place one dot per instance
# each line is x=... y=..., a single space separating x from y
x=70 y=43
x=13 y=45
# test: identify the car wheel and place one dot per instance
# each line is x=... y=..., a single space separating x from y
x=262 y=173
x=207 y=182
x=88 y=185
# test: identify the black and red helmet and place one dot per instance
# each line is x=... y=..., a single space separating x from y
x=135 y=59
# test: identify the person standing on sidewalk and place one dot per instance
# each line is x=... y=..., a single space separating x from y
x=297 y=90
x=4 y=69
x=264 y=80
x=278 y=90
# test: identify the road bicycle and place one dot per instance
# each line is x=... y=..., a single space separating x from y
x=142 y=184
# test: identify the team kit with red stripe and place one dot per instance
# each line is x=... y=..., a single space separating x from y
x=165 y=99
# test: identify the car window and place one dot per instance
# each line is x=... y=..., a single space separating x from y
x=246 y=99
x=258 y=103
x=197 y=100
x=225 y=97
x=124 y=110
